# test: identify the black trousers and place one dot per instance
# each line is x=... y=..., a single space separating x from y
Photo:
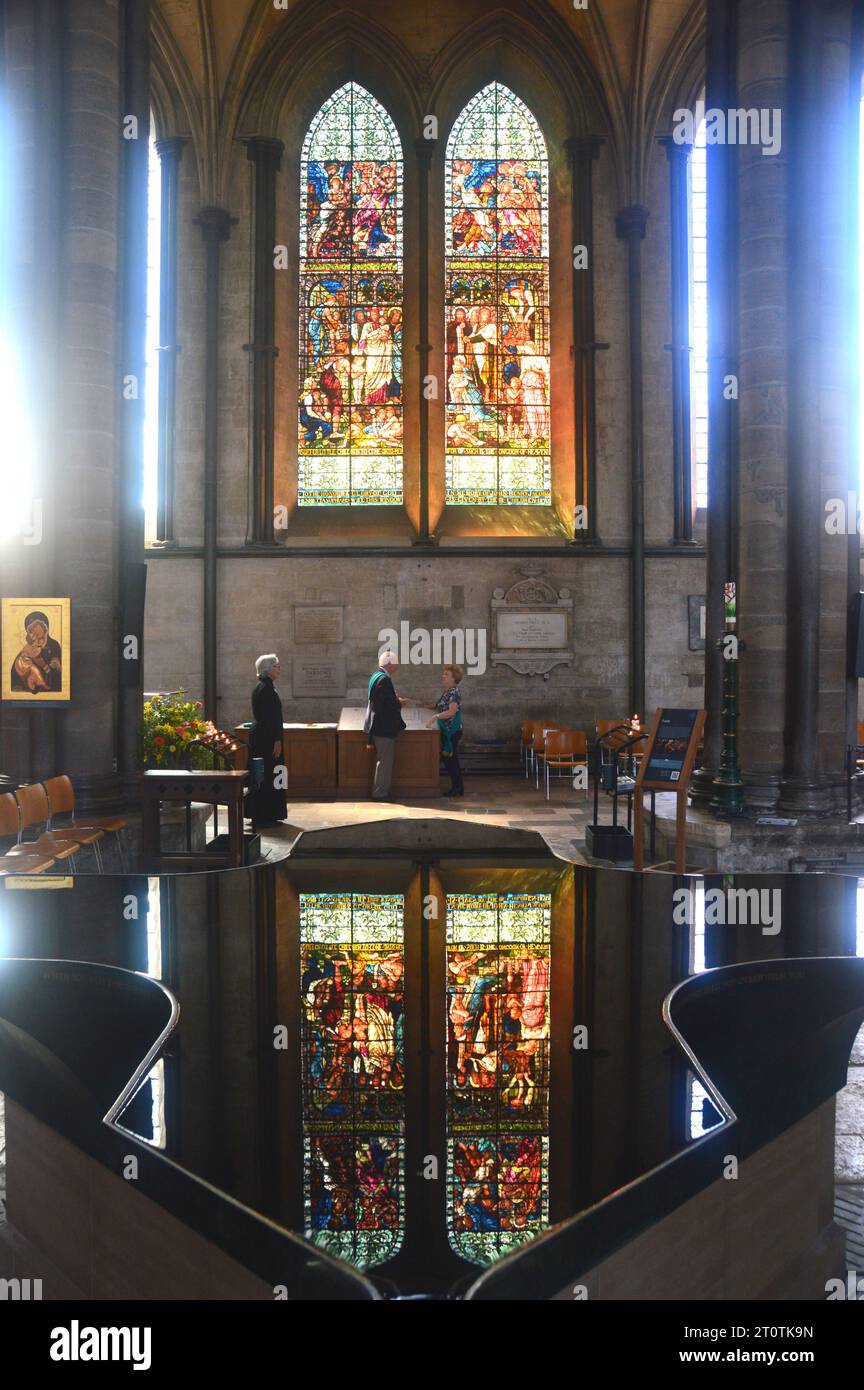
x=452 y=766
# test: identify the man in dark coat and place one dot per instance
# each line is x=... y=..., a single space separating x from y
x=387 y=723
x=268 y=803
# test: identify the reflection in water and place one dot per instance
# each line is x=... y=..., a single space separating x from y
x=497 y=1070
x=330 y=1134
x=352 y=966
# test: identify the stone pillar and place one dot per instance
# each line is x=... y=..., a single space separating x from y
x=130 y=512
x=763 y=193
x=265 y=156
x=44 y=364
x=170 y=152
x=821 y=146
x=723 y=421
x=630 y=226
x=215 y=224
x=678 y=157
x=582 y=152
x=91 y=396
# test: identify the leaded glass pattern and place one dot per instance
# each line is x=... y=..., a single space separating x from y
x=352 y=971
x=497 y=305
x=497 y=1071
x=351 y=399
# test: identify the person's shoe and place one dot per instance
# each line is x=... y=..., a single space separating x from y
x=455 y=792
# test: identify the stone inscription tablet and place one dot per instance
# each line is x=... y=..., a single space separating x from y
x=317 y=624
x=532 y=631
x=319 y=676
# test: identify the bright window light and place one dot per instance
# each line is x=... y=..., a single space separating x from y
x=699 y=315
x=151 y=378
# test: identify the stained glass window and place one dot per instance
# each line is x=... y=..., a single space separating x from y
x=352 y=968
x=497 y=304
x=350 y=416
x=497 y=1071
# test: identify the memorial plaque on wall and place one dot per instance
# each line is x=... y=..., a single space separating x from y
x=532 y=625
x=318 y=676
x=317 y=623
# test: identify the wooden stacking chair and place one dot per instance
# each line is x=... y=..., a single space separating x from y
x=564 y=750
x=11 y=852
x=34 y=810
x=538 y=744
x=11 y=864
x=62 y=819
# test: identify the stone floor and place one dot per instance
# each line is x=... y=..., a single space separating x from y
x=510 y=802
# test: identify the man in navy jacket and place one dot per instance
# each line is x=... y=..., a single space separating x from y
x=387 y=723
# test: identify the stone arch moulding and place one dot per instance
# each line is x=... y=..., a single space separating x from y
x=541 y=61
x=282 y=102
x=313 y=52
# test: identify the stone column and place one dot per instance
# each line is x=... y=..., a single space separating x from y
x=215 y=224
x=763 y=193
x=91 y=395
x=265 y=156
x=723 y=421
x=678 y=157
x=49 y=56
x=582 y=152
x=821 y=146
x=130 y=486
x=170 y=152
x=630 y=226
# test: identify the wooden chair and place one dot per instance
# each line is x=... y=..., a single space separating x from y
x=61 y=802
x=564 y=750
x=10 y=831
x=538 y=744
x=34 y=810
x=23 y=864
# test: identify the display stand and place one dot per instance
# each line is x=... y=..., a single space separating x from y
x=667 y=766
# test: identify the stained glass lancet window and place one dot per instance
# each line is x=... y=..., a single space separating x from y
x=352 y=968
x=497 y=1071
x=497 y=304
x=350 y=418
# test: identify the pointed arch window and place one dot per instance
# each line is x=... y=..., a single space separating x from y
x=497 y=305
x=350 y=371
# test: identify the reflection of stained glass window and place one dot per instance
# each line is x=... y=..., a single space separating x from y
x=350 y=438
x=497 y=304
x=352 y=966
x=497 y=1071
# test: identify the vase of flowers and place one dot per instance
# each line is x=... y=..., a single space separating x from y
x=170 y=731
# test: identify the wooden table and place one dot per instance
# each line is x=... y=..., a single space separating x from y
x=415 y=768
x=309 y=753
x=218 y=789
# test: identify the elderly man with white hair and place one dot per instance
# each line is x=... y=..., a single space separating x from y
x=384 y=722
x=267 y=802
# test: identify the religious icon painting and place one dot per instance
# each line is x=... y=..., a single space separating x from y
x=35 y=650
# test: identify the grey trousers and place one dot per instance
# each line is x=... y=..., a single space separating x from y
x=385 y=749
